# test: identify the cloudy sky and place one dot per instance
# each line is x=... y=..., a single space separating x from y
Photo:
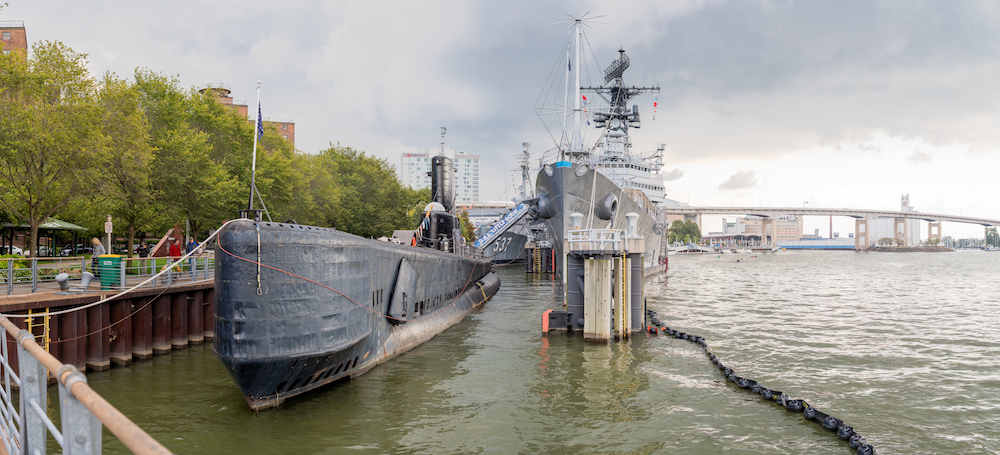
x=839 y=103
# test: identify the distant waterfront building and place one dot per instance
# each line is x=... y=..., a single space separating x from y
x=414 y=169
x=285 y=128
x=733 y=227
x=13 y=37
x=784 y=228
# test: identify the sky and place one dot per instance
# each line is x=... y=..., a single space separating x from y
x=845 y=104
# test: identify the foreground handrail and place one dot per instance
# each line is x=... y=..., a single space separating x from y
x=137 y=440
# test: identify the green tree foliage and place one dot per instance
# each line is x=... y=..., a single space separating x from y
x=366 y=197
x=52 y=150
x=192 y=179
x=468 y=230
x=154 y=154
x=130 y=195
x=686 y=231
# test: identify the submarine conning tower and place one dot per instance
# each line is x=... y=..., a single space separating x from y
x=438 y=226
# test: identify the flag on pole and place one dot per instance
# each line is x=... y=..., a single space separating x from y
x=655 y=103
x=569 y=64
x=260 y=123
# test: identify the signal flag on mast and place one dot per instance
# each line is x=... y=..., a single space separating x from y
x=260 y=123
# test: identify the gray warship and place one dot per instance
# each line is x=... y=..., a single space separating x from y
x=607 y=180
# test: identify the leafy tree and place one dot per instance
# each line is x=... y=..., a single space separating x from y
x=468 y=230
x=130 y=197
x=193 y=182
x=52 y=150
x=372 y=201
x=686 y=230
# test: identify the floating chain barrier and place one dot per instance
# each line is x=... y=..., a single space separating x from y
x=831 y=423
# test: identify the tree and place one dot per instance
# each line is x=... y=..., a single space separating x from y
x=468 y=230
x=192 y=181
x=885 y=241
x=130 y=197
x=372 y=201
x=52 y=150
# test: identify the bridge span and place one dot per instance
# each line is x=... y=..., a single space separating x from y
x=861 y=217
x=772 y=212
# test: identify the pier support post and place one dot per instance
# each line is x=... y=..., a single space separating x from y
x=142 y=330
x=635 y=288
x=575 y=290
x=621 y=294
x=161 y=325
x=98 y=338
x=121 y=332
x=179 y=320
x=72 y=328
x=208 y=314
x=196 y=329
x=597 y=299
x=635 y=247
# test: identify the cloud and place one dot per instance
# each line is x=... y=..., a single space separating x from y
x=673 y=175
x=739 y=180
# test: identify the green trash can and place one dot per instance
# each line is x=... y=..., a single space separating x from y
x=110 y=266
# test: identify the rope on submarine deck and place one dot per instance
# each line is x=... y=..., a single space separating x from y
x=827 y=421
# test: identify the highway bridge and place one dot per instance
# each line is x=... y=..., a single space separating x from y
x=861 y=217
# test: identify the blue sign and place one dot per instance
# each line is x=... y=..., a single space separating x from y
x=502 y=225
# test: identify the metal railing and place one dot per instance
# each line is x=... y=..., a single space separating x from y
x=24 y=428
x=30 y=275
x=595 y=241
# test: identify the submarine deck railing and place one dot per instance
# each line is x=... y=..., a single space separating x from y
x=24 y=428
x=38 y=274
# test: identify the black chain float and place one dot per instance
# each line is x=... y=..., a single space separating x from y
x=831 y=423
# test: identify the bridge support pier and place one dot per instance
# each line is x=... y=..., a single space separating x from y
x=933 y=232
x=861 y=234
x=901 y=231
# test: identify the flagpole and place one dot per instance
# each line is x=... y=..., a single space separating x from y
x=253 y=166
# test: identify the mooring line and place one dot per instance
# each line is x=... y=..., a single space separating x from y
x=831 y=423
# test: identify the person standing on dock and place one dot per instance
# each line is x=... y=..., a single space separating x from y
x=175 y=252
x=98 y=251
x=191 y=246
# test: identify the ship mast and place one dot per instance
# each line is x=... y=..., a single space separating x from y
x=576 y=146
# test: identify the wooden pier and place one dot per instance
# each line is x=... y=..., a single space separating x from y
x=137 y=325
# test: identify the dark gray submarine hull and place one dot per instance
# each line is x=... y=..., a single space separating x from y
x=325 y=305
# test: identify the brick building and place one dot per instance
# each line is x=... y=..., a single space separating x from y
x=13 y=37
x=222 y=93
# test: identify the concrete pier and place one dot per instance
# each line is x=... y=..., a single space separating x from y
x=604 y=283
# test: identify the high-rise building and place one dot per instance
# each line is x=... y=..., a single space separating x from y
x=285 y=128
x=13 y=37
x=414 y=169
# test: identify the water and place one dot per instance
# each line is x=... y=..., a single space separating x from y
x=904 y=347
